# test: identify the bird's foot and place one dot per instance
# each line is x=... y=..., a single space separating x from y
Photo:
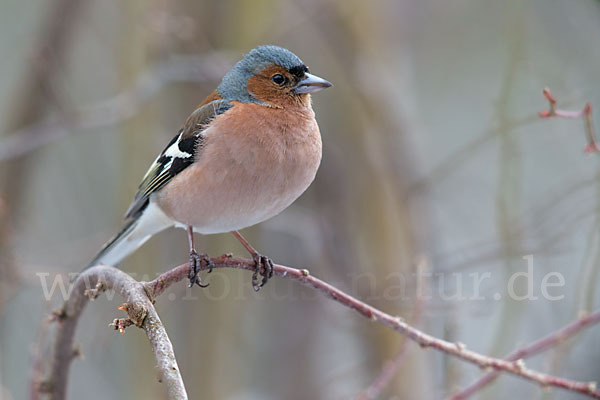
x=264 y=268
x=196 y=261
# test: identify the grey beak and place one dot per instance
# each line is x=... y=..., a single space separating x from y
x=311 y=83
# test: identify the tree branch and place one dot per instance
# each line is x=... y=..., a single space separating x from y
x=140 y=312
x=517 y=368
x=141 y=296
x=585 y=113
x=532 y=349
x=390 y=368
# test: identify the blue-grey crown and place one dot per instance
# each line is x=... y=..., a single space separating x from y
x=233 y=85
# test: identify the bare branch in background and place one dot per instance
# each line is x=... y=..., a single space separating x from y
x=539 y=346
x=37 y=358
x=34 y=92
x=390 y=369
x=206 y=68
x=585 y=113
x=140 y=297
x=27 y=104
x=10 y=277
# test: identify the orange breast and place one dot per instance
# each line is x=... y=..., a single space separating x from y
x=256 y=161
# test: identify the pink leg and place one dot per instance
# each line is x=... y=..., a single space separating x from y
x=196 y=261
x=264 y=265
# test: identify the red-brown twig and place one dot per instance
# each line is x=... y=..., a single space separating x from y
x=534 y=348
x=459 y=350
x=585 y=113
x=123 y=283
x=391 y=367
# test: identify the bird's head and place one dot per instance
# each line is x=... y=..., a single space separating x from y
x=270 y=75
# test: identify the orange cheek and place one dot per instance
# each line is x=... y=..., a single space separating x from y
x=264 y=89
x=261 y=89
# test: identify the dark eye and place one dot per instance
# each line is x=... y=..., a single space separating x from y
x=278 y=79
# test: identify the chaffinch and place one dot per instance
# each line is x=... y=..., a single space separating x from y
x=243 y=156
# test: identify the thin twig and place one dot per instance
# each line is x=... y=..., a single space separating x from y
x=459 y=350
x=585 y=113
x=539 y=346
x=390 y=369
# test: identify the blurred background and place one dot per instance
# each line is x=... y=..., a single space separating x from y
x=432 y=151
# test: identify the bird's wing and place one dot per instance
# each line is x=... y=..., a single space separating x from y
x=178 y=155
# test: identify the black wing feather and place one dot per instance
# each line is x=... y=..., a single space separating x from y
x=172 y=160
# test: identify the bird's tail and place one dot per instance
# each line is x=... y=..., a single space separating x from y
x=133 y=235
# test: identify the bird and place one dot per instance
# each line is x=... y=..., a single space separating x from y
x=247 y=152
